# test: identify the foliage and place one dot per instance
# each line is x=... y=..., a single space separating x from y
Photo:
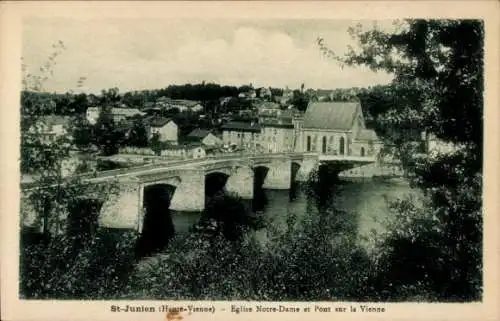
x=230 y=216
x=69 y=266
x=155 y=143
x=299 y=100
x=56 y=263
x=138 y=135
x=289 y=266
x=108 y=137
x=438 y=87
x=110 y=97
x=82 y=132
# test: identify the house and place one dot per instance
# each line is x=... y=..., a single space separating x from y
x=190 y=150
x=181 y=104
x=277 y=137
x=51 y=127
x=283 y=100
x=279 y=131
x=177 y=151
x=92 y=114
x=265 y=93
x=166 y=128
x=241 y=134
x=320 y=95
x=278 y=115
x=337 y=128
x=205 y=137
x=266 y=106
x=118 y=113
x=288 y=93
x=195 y=151
x=248 y=94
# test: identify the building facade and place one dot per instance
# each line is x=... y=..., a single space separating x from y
x=336 y=128
x=241 y=134
x=51 y=127
x=181 y=104
x=184 y=151
x=205 y=137
x=277 y=138
x=119 y=114
x=166 y=128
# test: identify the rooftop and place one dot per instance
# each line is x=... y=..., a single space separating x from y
x=183 y=102
x=51 y=120
x=277 y=125
x=242 y=126
x=367 y=134
x=331 y=115
x=156 y=121
x=199 y=133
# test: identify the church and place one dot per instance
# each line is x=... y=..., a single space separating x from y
x=335 y=128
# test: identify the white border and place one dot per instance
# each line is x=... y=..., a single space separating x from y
x=11 y=14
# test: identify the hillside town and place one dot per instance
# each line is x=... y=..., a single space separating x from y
x=173 y=129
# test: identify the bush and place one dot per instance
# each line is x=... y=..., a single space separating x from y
x=433 y=251
x=231 y=214
x=69 y=267
x=301 y=262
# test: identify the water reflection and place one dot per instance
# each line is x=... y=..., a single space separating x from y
x=365 y=201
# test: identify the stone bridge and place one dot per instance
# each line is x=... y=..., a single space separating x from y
x=187 y=181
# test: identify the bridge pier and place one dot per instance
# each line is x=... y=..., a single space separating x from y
x=241 y=182
x=306 y=167
x=279 y=175
x=123 y=209
x=189 y=196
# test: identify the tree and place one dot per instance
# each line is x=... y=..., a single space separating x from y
x=438 y=77
x=155 y=144
x=138 y=135
x=108 y=137
x=299 y=100
x=82 y=132
x=60 y=263
x=110 y=97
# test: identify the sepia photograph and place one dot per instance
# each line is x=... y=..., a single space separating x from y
x=270 y=160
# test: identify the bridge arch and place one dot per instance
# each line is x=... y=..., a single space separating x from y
x=157 y=224
x=260 y=174
x=295 y=169
x=173 y=181
x=215 y=182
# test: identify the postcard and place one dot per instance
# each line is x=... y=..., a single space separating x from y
x=243 y=160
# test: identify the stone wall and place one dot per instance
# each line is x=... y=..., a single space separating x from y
x=190 y=194
x=279 y=174
x=122 y=210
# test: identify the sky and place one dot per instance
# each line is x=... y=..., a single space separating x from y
x=135 y=54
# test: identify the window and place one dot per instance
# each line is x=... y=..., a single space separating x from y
x=314 y=142
x=323 y=147
x=341 y=145
x=308 y=143
x=362 y=152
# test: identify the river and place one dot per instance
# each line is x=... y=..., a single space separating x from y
x=367 y=200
